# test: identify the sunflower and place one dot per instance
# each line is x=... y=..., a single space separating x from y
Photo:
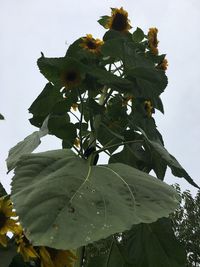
x=163 y=65
x=90 y=44
x=56 y=258
x=24 y=247
x=153 y=41
x=148 y=107
x=6 y=223
x=71 y=78
x=118 y=20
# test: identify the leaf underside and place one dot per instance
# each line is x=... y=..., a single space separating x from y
x=63 y=202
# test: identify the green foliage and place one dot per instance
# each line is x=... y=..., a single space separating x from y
x=99 y=97
x=74 y=203
x=7 y=254
x=186 y=225
x=2 y=190
x=1 y=117
x=144 y=245
x=28 y=145
x=138 y=35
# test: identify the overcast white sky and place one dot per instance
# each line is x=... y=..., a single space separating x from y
x=30 y=26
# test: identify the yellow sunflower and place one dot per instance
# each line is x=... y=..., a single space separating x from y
x=56 y=258
x=7 y=224
x=148 y=107
x=153 y=41
x=90 y=44
x=163 y=65
x=71 y=78
x=118 y=20
x=24 y=247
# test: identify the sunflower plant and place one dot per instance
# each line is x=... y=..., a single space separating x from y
x=66 y=209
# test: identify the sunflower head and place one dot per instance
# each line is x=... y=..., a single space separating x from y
x=153 y=41
x=118 y=20
x=90 y=44
x=148 y=108
x=71 y=78
x=7 y=223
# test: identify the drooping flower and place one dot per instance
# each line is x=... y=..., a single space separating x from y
x=7 y=224
x=118 y=20
x=56 y=258
x=163 y=65
x=71 y=78
x=90 y=44
x=148 y=107
x=24 y=247
x=153 y=41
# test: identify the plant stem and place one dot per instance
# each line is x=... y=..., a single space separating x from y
x=80 y=256
x=118 y=144
x=80 y=123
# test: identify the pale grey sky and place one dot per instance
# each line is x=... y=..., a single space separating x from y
x=28 y=27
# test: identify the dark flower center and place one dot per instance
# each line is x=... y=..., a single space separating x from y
x=119 y=22
x=3 y=219
x=71 y=76
x=91 y=44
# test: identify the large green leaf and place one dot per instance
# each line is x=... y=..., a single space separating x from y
x=171 y=161
x=150 y=82
x=29 y=144
x=63 y=202
x=152 y=245
x=107 y=78
x=112 y=257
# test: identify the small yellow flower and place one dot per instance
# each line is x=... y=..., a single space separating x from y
x=56 y=258
x=90 y=44
x=118 y=20
x=148 y=107
x=24 y=247
x=163 y=65
x=71 y=78
x=7 y=224
x=153 y=41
